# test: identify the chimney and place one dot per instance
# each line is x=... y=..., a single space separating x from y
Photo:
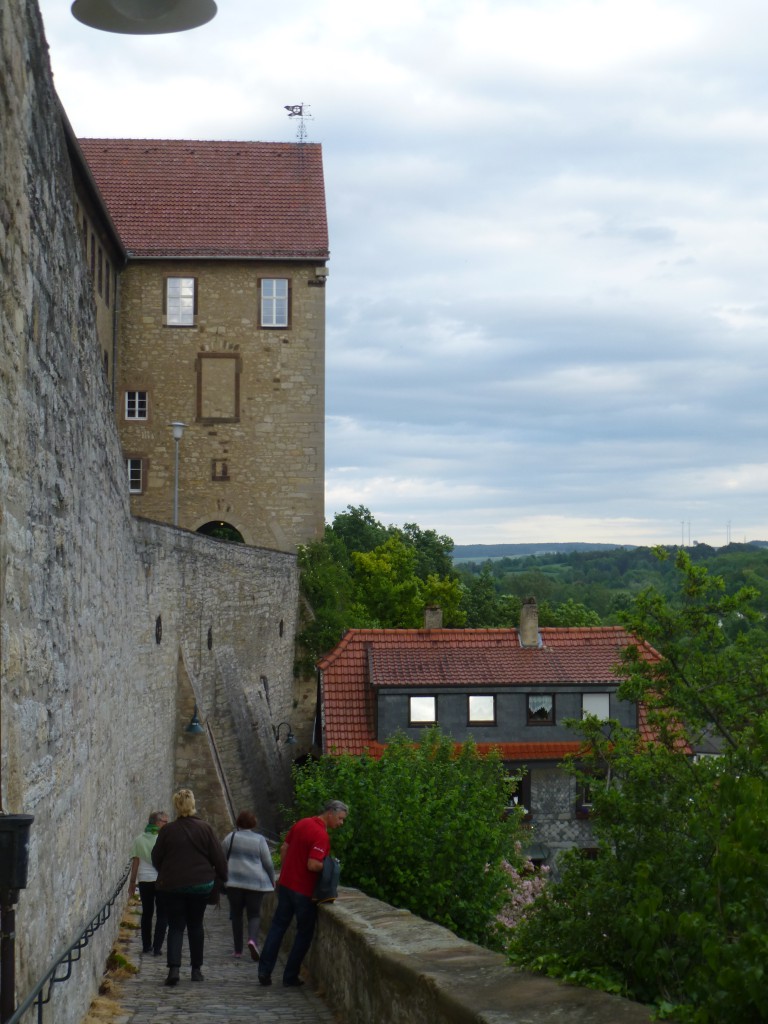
x=529 y=623
x=433 y=617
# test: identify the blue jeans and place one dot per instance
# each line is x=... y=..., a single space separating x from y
x=290 y=904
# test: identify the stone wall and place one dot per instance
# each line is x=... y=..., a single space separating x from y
x=378 y=965
x=109 y=626
x=265 y=386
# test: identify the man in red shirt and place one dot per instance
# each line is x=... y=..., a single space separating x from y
x=306 y=846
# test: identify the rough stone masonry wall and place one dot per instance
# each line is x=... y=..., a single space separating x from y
x=273 y=446
x=90 y=702
x=379 y=965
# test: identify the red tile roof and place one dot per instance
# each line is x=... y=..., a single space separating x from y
x=197 y=200
x=367 y=659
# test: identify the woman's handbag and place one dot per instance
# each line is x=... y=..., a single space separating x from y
x=328 y=882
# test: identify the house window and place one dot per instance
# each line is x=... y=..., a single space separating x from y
x=219 y=469
x=541 y=709
x=100 y=275
x=136 y=475
x=597 y=704
x=135 y=405
x=180 y=301
x=107 y=281
x=481 y=709
x=584 y=794
x=422 y=710
x=583 y=799
x=274 y=302
x=520 y=796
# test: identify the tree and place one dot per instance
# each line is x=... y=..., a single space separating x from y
x=365 y=575
x=357 y=529
x=387 y=587
x=433 y=551
x=426 y=829
x=672 y=911
x=569 y=613
x=327 y=599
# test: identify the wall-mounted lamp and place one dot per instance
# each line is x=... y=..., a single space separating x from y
x=195 y=726
x=290 y=738
x=144 y=17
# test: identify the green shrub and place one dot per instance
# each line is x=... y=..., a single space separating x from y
x=426 y=828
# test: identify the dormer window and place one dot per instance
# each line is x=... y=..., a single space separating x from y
x=541 y=709
x=597 y=704
x=422 y=710
x=481 y=709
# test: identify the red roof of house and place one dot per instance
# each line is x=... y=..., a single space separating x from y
x=367 y=659
x=196 y=200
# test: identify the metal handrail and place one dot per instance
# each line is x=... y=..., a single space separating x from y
x=70 y=956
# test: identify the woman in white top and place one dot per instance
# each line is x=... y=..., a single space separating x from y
x=251 y=874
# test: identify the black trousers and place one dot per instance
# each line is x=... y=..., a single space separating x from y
x=151 y=901
x=185 y=911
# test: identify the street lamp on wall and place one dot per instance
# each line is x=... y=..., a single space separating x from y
x=290 y=738
x=178 y=432
x=144 y=17
x=195 y=726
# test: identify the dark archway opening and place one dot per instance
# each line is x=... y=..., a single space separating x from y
x=222 y=531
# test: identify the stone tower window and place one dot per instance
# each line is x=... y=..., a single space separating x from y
x=275 y=302
x=180 y=301
x=136 y=405
x=137 y=474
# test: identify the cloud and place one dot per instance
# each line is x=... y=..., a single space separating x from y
x=549 y=228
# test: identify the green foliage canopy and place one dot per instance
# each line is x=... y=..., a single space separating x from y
x=365 y=575
x=426 y=828
x=672 y=912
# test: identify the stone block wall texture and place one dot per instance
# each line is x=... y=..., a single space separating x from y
x=109 y=626
x=251 y=398
x=379 y=965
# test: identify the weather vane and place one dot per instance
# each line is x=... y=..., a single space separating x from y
x=300 y=110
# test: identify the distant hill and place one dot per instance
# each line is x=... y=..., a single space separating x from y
x=484 y=552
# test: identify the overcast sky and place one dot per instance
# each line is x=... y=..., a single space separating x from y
x=547 y=302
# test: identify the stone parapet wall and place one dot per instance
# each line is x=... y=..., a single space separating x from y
x=378 y=965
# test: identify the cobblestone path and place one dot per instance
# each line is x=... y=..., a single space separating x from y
x=230 y=994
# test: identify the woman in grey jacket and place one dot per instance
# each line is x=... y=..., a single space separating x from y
x=251 y=874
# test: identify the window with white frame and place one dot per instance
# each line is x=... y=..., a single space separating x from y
x=481 y=709
x=136 y=474
x=422 y=710
x=180 y=301
x=274 y=302
x=597 y=704
x=541 y=709
x=135 y=405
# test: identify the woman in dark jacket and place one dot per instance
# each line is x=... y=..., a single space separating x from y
x=189 y=859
